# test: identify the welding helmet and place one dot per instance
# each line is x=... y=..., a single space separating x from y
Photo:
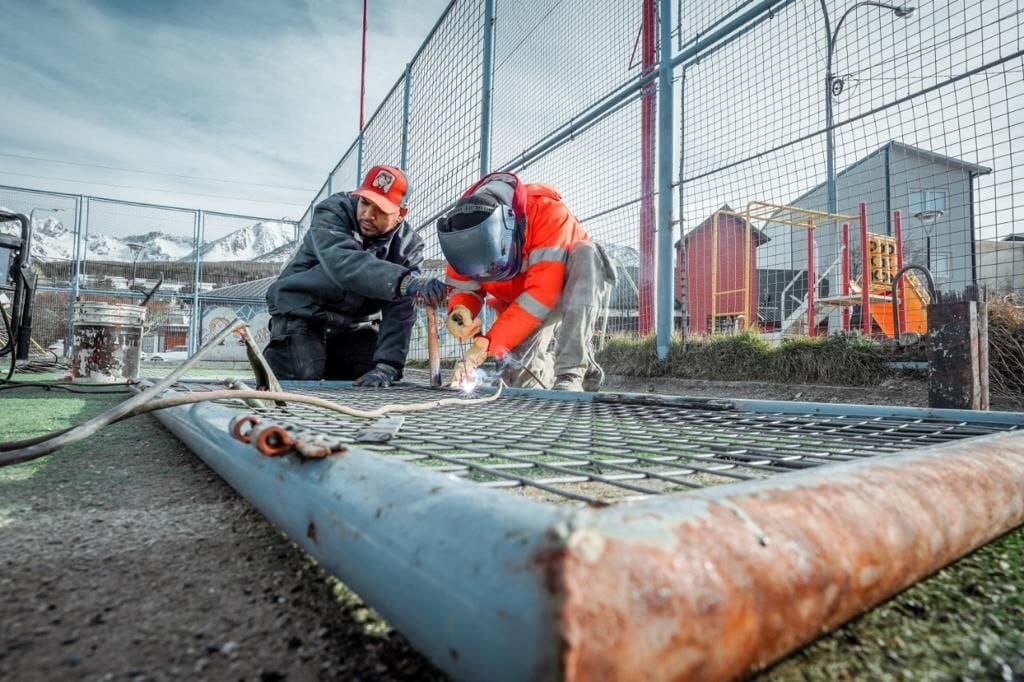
x=482 y=235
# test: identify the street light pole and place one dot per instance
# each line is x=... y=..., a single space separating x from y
x=833 y=87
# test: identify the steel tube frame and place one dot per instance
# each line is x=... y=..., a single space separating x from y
x=532 y=594
x=485 y=88
x=196 y=321
x=846 y=275
x=811 y=279
x=865 y=273
x=406 y=93
x=665 y=280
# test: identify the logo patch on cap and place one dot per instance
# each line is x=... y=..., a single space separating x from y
x=383 y=181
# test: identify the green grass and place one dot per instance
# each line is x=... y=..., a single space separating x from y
x=837 y=359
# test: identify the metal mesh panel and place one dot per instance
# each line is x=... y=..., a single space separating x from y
x=552 y=60
x=345 y=177
x=382 y=138
x=128 y=246
x=54 y=220
x=444 y=116
x=613 y=448
x=924 y=110
x=598 y=174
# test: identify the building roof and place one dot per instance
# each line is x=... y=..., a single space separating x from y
x=1014 y=237
x=972 y=169
x=760 y=236
x=255 y=289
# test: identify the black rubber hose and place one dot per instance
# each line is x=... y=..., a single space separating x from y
x=88 y=428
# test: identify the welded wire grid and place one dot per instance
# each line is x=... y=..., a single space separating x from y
x=925 y=112
x=607 y=450
x=382 y=137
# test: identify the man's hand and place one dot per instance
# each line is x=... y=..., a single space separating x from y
x=461 y=324
x=465 y=369
x=382 y=375
x=426 y=290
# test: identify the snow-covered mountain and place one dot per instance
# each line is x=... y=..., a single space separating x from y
x=250 y=242
x=52 y=240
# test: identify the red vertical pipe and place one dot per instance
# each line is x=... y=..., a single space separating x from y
x=865 y=270
x=897 y=221
x=362 y=75
x=846 y=275
x=648 y=112
x=810 y=279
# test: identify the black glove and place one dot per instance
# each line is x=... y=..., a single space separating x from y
x=427 y=290
x=382 y=375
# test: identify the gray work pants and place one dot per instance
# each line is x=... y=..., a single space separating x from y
x=569 y=327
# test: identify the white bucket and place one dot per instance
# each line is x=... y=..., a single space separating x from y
x=107 y=341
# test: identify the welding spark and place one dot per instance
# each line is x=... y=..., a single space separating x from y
x=470 y=383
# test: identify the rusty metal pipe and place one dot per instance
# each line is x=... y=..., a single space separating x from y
x=272 y=440
x=726 y=580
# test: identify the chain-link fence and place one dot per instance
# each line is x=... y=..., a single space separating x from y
x=93 y=249
x=816 y=147
x=806 y=132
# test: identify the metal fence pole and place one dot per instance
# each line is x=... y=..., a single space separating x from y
x=665 y=283
x=406 y=88
x=359 y=160
x=645 y=298
x=194 y=323
x=81 y=205
x=485 y=99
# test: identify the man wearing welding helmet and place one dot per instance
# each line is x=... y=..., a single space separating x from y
x=518 y=247
x=343 y=307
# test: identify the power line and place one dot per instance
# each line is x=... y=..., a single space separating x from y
x=153 y=189
x=144 y=172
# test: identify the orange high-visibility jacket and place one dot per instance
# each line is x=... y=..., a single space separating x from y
x=524 y=301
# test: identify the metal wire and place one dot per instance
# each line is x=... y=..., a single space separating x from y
x=597 y=452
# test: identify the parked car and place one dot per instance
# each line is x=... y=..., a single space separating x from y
x=175 y=354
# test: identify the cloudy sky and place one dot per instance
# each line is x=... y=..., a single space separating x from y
x=225 y=105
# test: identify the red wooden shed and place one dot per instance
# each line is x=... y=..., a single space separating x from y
x=719 y=252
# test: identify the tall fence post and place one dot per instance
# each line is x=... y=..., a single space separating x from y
x=865 y=272
x=665 y=279
x=195 y=323
x=406 y=92
x=645 y=292
x=81 y=206
x=485 y=95
x=681 y=262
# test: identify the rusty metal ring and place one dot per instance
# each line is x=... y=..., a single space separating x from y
x=274 y=441
x=238 y=423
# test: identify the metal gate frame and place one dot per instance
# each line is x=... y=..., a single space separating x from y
x=707 y=584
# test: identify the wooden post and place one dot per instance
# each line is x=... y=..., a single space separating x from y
x=902 y=317
x=957 y=348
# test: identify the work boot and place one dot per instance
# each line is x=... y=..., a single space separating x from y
x=568 y=382
x=593 y=379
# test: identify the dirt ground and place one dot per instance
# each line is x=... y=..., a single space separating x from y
x=126 y=558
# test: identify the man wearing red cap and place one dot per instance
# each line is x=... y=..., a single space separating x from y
x=343 y=307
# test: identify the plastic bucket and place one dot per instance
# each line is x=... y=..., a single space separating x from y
x=107 y=340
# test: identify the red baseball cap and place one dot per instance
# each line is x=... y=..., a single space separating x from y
x=387 y=188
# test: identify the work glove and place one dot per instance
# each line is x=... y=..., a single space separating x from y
x=382 y=375
x=426 y=290
x=465 y=369
x=461 y=324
